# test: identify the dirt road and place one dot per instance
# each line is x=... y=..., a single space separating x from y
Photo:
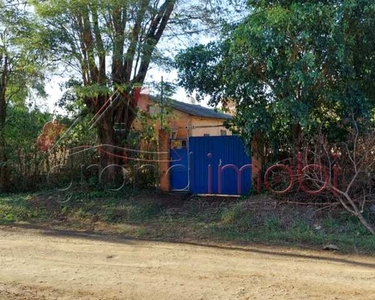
x=46 y=265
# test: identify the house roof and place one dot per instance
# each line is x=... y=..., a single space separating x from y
x=195 y=110
x=199 y=111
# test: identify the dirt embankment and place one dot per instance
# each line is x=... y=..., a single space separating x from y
x=45 y=265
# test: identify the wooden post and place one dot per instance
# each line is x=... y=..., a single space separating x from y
x=164 y=158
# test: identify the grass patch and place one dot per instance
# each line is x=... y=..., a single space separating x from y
x=80 y=206
x=350 y=236
x=147 y=215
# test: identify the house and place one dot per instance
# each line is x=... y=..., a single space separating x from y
x=185 y=120
x=181 y=121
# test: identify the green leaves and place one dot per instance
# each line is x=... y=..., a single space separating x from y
x=202 y=65
x=22 y=56
x=290 y=63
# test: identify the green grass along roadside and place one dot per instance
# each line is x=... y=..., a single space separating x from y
x=149 y=215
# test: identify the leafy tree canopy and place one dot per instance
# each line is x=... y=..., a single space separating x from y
x=22 y=62
x=108 y=46
x=291 y=67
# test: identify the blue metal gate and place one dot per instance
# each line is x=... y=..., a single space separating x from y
x=219 y=165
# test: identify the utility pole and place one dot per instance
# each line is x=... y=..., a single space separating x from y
x=162 y=103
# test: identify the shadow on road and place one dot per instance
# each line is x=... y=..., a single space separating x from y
x=257 y=249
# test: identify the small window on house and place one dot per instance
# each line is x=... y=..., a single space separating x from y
x=183 y=144
x=223 y=132
x=206 y=134
x=174 y=135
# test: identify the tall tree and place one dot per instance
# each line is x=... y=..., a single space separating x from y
x=111 y=44
x=21 y=67
x=291 y=67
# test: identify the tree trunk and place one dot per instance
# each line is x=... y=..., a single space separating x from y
x=111 y=152
x=365 y=223
x=3 y=162
x=106 y=138
x=296 y=132
x=3 y=156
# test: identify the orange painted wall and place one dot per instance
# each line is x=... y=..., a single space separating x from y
x=179 y=122
x=211 y=126
x=184 y=124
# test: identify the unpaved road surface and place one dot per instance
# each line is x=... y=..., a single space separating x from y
x=49 y=265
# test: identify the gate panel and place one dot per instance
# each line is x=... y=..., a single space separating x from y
x=219 y=165
x=179 y=175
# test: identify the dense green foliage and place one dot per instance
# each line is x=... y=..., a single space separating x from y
x=22 y=66
x=292 y=68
